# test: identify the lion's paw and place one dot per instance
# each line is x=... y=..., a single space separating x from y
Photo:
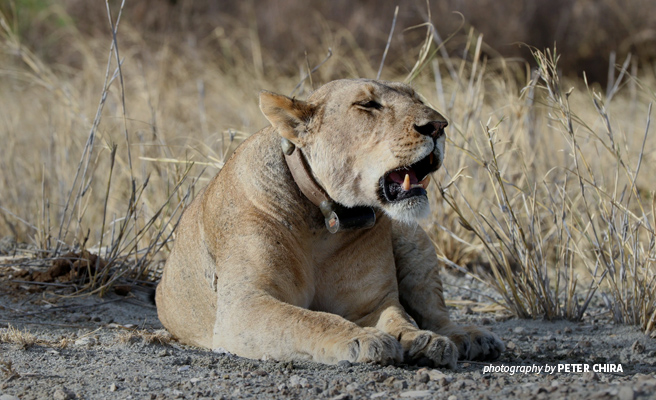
x=430 y=349
x=477 y=343
x=376 y=346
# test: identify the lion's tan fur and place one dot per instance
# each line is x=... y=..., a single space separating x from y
x=255 y=272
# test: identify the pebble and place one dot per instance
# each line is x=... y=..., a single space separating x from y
x=626 y=393
x=590 y=376
x=422 y=376
x=373 y=396
x=344 y=364
x=436 y=375
x=86 y=341
x=413 y=394
x=401 y=384
x=184 y=368
x=352 y=387
x=112 y=387
x=378 y=376
x=519 y=330
x=637 y=347
x=8 y=397
x=63 y=394
x=298 y=381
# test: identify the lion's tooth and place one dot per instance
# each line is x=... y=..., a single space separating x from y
x=406 y=183
x=430 y=159
x=425 y=182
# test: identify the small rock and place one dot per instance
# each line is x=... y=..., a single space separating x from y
x=194 y=380
x=511 y=346
x=401 y=384
x=183 y=368
x=344 y=364
x=519 y=330
x=373 y=396
x=112 y=387
x=458 y=385
x=63 y=394
x=260 y=372
x=222 y=351
x=378 y=376
x=590 y=376
x=8 y=397
x=297 y=381
x=486 y=321
x=343 y=396
x=637 y=347
x=468 y=311
x=85 y=341
x=626 y=393
x=452 y=397
x=414 y=394
x=390 y=381
x=162 y=353
x=352 y=387
x=436 y=375
x=422 y=376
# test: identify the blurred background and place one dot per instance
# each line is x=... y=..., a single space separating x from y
x=276 y=34
x=547 y=189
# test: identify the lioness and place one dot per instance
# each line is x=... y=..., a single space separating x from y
x=257 y=271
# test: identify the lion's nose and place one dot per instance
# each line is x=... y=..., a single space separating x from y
x=434 y=129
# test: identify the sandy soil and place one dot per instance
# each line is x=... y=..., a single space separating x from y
x=113 y=348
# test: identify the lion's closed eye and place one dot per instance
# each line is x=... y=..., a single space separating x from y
x=368 y=105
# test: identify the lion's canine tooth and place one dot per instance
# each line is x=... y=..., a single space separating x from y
x=425 y=182
x=406 y=183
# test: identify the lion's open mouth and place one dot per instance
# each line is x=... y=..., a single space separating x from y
x=406 y=182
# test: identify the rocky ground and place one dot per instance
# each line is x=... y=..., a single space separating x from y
x=54 y=346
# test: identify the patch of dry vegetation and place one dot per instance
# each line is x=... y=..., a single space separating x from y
x=160 y=336
x=547 y=189
x=22 y=339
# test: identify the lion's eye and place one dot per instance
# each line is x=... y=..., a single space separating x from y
x=370 y=104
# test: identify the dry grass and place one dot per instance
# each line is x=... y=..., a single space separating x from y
x=547 y=189
x=22 y=339
x=160 y=336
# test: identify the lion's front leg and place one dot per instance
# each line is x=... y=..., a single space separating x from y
x=256 y=325
x=263 y=295
x=420 y=293
x=419 y=346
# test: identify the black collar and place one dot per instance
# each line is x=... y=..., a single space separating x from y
x=338 y=217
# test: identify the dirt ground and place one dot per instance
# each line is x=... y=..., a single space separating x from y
x=54 y=346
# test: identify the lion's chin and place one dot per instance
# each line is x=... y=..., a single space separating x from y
x=410 y=210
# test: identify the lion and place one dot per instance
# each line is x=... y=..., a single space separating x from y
x=305 y=246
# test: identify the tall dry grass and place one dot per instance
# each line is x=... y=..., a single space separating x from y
x=547 y=185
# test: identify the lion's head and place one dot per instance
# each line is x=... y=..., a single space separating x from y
x=368 y=143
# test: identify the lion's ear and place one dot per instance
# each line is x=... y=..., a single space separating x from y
x=289 y=116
